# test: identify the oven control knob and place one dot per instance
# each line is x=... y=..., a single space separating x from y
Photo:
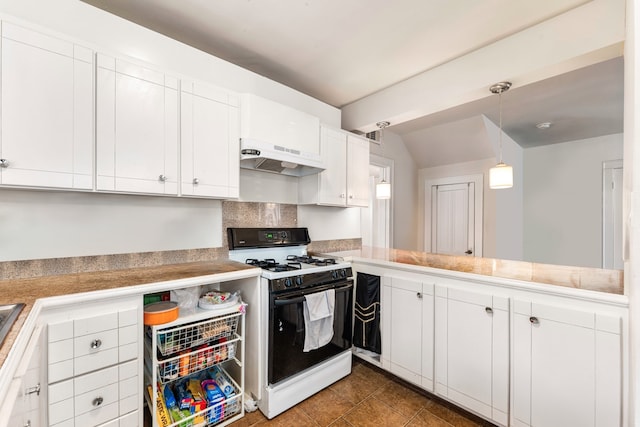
x=334 y=274
x=299 y=280
x=343 y=273
x=287 y=282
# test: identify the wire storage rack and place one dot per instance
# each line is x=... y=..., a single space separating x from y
x=196 y=364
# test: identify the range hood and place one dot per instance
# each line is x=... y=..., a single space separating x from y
x=263 y=156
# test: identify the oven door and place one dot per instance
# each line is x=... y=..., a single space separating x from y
x=287 y=330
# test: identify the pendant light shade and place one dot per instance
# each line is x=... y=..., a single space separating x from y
x=501 y=175
x=383 y=188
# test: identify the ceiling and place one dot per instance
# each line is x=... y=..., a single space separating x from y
x=342 y=51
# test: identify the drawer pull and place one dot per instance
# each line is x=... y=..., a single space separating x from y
x=489 y=310
x=96 y=343
x=97 y=401
x=28 y=424
x=534 y=320
x=419 y=295
x=32 y=390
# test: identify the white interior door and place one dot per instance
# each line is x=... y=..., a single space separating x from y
x=612 y=216
x=453 y=225
x=453 y=215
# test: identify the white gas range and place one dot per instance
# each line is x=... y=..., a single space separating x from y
x=300 y=356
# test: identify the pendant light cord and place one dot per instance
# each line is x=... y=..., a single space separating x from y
x=500 y=115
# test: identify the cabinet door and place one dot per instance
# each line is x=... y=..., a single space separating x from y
x=472 y=351
x=209 y=142
x=406 y=317
x=333 y=180
x=357 y=171
x=567 y=368
x=137 y=128
x=47 y=111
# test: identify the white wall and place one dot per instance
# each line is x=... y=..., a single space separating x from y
x=404 y=191
x=74 y=224
x=44 y=224
x=509 y=240
x=563 y=200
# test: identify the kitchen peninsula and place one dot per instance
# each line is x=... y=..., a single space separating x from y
x=460 y=313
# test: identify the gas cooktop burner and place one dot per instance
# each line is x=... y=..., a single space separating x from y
x=307 y=259
x=270 y=264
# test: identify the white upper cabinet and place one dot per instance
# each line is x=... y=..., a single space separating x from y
x=357 y=171
x=47 y=111
x=268 y=121
x=566 y=366
x=210 y=147
x=137 y=128
x=344 y=182
x=472 y=351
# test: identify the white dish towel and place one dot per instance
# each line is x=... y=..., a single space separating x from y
x=318 y=319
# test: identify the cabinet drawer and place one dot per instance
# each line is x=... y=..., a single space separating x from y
x=61 y=411
x=91 y=325
x=68 y=423
x=95 y=400
x=98 y=416
x=95 y=380
x=92 y=362
x=94 y=343
x=60 y=371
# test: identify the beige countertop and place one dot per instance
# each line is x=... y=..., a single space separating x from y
x=27 y=291
x=593 y=279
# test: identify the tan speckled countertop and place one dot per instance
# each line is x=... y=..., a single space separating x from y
x=28 y=291
x=593 y=279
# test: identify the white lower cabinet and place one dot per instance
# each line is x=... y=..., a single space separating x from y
x=407 y=317
x=472 y=351
x=94 y=361
x=26 y=398
x=566 y=366
x=512 y=355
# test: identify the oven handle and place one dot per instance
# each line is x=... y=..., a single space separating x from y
x=296 y=299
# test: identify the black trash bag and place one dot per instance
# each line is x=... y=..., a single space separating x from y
x=366 y=327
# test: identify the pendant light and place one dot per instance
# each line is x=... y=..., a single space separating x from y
x=501 y=175
x=383 y=188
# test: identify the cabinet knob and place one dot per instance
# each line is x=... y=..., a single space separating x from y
x=28 y=423
x=32 y=390
x=196 y=181
x=468 y=252
x=489 y=310
x=97 y=401
x=4 y=163
x=96 y=343
x=419 y=295
x=351 y=196
x=162 y=178
x=534 y=320
x=342 y=195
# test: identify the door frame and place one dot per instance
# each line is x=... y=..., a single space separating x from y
x=478 y=180
x=386 y=163
x=609 y=222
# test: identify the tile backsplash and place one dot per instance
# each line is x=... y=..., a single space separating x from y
x=234 y=214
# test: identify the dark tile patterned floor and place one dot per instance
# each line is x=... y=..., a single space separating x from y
x=367 y=397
